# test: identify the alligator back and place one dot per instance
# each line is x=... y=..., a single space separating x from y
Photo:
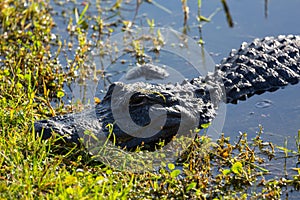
x=264 y=65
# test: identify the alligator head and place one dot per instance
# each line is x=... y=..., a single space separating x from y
x=143 y=113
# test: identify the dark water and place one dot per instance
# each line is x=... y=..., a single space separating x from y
x=277 y=112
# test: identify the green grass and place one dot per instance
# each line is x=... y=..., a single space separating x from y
x=32 y=169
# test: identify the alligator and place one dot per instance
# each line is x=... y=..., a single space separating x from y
x=265 y=64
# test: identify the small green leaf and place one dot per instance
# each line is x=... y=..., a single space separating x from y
x=260 y=168
x=19 y=85
x=171 y=166
x=60 y=94
x=70 y=190
x=83 y=12
x=200 y=41
x=21 y=76
x=226 y=171
x=205 y=19
x=205 y=125
x=150 y=22
x=175 y=173
x=6 y=72
x=237 y=168
x=91 y=134
x=192 y=185
x=28 y=77
x=155 y=185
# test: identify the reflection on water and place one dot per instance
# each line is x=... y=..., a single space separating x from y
x=264 y=103
x=278 y=112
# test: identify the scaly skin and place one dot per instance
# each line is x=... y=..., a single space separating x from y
x=263 y=65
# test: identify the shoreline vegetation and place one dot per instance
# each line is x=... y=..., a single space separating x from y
x=32 y=88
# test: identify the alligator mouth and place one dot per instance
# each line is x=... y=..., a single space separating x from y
x=46 y=129
x=67 y=130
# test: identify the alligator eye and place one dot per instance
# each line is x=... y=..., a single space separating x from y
x=138 y=99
